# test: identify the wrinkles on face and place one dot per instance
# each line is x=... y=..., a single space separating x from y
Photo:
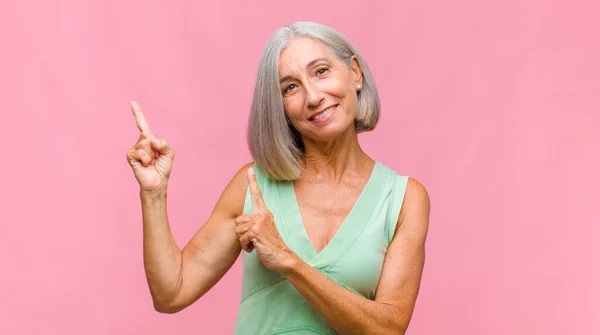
x=313 y=79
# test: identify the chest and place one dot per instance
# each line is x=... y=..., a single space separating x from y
x=341 y=230
x=324 y=208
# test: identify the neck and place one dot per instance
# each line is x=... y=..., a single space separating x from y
x=332 y=160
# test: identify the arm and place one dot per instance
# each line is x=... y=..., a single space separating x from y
x=398 y=286
x=178 y=278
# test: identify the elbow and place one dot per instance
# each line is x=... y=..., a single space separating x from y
x=394 y=322
x=172 y=304
x=167 y=303
x=166 y=308
x=401 y=329
x=400 y=325
x=396 y=329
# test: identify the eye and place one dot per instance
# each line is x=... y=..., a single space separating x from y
x=288 y=88
x=322 y=70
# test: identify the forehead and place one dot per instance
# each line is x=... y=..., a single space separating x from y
x=300 y=52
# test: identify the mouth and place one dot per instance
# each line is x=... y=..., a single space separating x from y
x=323 y=115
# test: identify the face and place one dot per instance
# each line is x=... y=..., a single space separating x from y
x=319 y=90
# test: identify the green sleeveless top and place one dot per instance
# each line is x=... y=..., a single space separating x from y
x=353 y=258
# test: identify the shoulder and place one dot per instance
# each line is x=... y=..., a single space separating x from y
x=414 y=198
x=415 y=207
x=239 y=182
x=416 y=194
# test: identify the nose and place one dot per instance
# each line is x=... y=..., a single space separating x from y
x=314 y=96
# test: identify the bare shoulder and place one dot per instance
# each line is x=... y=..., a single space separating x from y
x=416 y=194
x=415 y=207
x=231 y=201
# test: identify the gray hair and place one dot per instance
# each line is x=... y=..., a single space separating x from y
x=275 y=145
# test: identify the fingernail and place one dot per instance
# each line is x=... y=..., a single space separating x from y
x=156 y=141
x=251 y=171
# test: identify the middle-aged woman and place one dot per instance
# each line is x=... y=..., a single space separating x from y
x=334 y=241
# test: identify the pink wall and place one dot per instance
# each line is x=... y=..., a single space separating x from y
x=494 y=107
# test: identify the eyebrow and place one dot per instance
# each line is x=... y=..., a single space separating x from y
x=311 y=63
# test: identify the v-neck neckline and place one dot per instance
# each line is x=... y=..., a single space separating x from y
x=344 y=231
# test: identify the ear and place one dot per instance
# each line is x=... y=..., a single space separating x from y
x=356 y=71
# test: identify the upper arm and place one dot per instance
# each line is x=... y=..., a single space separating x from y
x=215 y=247
x=403 y=266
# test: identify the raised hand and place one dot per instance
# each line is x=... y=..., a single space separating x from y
x=257 y=231
x=150 y=158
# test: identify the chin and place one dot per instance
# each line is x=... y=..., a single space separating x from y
x=329 y=133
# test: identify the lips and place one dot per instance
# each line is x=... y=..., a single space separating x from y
x=328 y=109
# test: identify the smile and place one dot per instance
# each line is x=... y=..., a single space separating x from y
x=324 y=115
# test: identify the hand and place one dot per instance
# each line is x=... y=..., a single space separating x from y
x=257 y=230
x=150 y=158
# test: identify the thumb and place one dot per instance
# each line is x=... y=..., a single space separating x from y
x=161 y=146
x=257 y=199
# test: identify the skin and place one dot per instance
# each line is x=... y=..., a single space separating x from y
x=337 y=170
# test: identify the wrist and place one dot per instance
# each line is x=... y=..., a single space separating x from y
x=156 y=194
x=289 y=263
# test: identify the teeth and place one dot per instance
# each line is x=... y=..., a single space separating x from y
x=326 y=113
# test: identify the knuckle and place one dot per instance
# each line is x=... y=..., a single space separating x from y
x=132 y=154
x=141 y=143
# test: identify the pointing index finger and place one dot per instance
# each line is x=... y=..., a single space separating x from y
x=257 y=199
x=140 y=120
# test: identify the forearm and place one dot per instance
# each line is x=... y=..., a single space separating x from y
x=347 y=312
x=162 y=256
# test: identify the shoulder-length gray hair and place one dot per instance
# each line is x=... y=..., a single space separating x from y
x=275 y=145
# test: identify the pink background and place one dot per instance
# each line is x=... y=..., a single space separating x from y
x=495 y=108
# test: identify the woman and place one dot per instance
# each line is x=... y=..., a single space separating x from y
x=333 y=240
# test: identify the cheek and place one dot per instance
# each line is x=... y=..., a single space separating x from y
x=293 y=106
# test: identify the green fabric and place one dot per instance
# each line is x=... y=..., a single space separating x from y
x=353 y=258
